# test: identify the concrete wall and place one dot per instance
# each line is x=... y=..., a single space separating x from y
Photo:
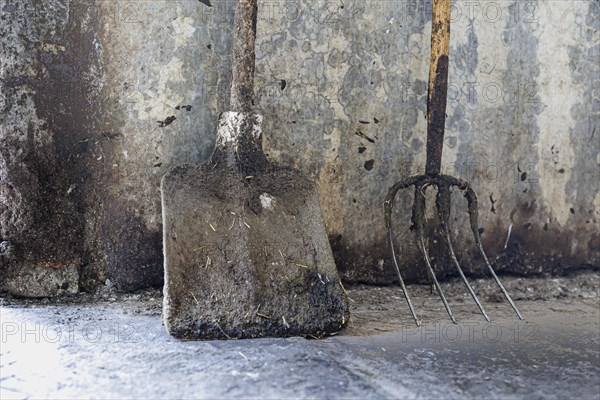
x=342 y=86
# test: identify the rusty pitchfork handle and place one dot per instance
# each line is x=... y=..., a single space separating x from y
x=438 y=85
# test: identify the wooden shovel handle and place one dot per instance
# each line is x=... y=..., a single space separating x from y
x=244 y=37
x=438 y=85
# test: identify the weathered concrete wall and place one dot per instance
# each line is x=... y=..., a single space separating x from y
x=342 y=86
x=48 y=81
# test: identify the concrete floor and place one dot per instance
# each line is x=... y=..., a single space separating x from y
x=116 y=347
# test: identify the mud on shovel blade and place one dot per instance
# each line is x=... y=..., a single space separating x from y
x=246 y=251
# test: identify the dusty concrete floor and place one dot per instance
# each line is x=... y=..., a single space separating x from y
x=106 y=345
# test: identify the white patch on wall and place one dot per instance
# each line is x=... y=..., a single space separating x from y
x=419 y=43
x=491 y=65
x=558 y=93
x=183 y=30
x=336 y=75
x=161 y=99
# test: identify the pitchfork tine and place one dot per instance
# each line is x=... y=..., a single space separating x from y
x=412 y=310
x=473 y=215
x=388 y=205
x=443 y=205
x=418 y=218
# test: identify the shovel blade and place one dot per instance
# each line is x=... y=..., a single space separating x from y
x=247 y=257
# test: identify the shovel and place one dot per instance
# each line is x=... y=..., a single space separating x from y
x=245 y=247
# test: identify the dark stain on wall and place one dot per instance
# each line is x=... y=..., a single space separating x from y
x=40 y=164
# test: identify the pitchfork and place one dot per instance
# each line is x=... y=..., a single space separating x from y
x=436 y=118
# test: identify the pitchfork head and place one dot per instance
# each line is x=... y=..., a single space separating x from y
x=443 y=184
